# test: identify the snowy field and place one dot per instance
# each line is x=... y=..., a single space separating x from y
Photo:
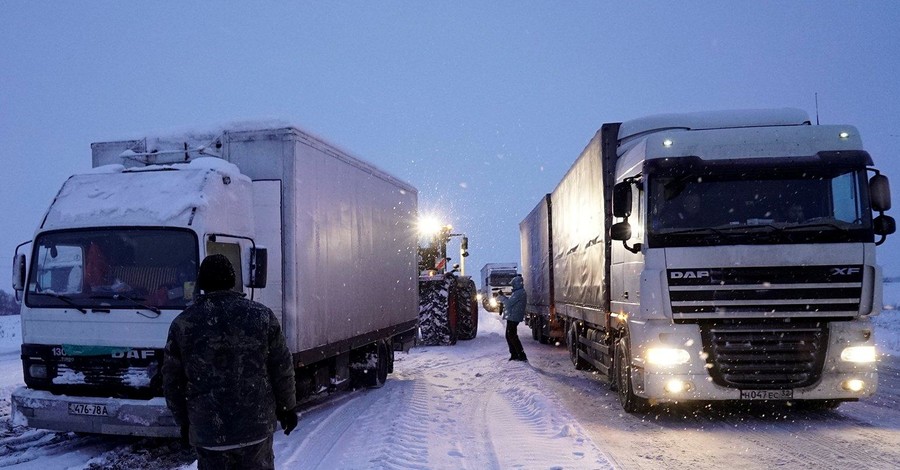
x=466 y=407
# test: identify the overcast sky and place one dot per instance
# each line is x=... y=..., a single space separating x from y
x=482 y=106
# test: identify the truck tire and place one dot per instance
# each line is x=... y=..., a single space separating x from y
x=544 y=323
x=536 y=326
x=467 y=308
x=573 y=344
x=369 y=367
x=630 y=402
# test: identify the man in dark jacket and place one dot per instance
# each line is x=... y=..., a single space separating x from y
x=227 y=374
x=514 y=313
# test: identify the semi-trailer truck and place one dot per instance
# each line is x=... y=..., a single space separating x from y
x=496 y=280
x=324 y=239
x=713 y=257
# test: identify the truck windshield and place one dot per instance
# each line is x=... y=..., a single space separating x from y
x=800 y=205
x=501 y=279
x=143 y=268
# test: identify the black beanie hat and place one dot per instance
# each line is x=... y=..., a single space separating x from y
x=216 y=273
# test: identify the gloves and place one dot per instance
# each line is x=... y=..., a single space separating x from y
x=288 y=420
x=186 y=435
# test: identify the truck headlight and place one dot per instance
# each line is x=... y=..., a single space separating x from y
x=667 y=356
x=859 y=354
x=37 y=371
x=492 y=302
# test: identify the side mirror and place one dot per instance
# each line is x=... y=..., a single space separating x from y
x=884 y=225
x=259 y=263
x=18 y=274
x=620 y=231
x=622 y=199
x=880 y=193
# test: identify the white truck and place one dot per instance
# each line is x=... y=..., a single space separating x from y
x=714 y=257
x=324 y=239
x=495 y=281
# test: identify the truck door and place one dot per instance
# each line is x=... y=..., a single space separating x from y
x=626 y=267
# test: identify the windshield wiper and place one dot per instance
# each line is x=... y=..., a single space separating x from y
x=135 y=301
x=64 y=298
x=695 y=230
x=817 y=225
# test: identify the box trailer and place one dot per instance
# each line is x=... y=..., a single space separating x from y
x=324 y=239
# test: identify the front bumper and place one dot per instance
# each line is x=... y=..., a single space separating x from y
x=44 y=410
x=832 y=375
x=700 y=387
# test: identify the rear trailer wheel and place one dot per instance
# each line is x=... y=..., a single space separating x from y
x=574 y=346
x=630 y=402
x=370 y=368
x=535 y=326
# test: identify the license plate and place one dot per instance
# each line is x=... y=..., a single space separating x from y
x=767 y=394
x=88 y=409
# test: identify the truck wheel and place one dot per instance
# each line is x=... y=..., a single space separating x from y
x=630 y=402
x=573 y=345
x=542 y=338
x=370 y=368
x=535 y=327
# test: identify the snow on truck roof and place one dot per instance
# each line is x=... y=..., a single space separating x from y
x=162 y=195
x=210 y=142
x=713 y=120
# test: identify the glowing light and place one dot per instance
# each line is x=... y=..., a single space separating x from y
x=667 y=143
x=677 y=386
x=844 y=135
x=667 y=356
x=429 y=225
x=859 y=354
x=853 y=385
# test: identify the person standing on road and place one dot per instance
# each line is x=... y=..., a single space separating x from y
x=514 y=313
x=228 y=375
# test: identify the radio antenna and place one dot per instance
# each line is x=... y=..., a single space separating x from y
x=817 y=108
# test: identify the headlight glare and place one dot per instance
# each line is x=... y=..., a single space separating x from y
x=859 y=354
x=667 y=356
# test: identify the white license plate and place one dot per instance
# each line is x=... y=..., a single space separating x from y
x=88 y=409
x=767 y=394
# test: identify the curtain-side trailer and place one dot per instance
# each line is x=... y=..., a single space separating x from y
x=715 y=256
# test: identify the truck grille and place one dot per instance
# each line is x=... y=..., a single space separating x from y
x=803 y=291
x=765 y=356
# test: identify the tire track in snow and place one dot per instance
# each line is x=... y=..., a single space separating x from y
x=357 y=435
x=519 y=412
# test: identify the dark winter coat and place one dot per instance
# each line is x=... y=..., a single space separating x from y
x=514 y=306
x=227 y=370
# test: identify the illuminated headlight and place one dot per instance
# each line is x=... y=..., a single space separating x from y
x=859 y=354
x=479 y=297
x=492 y=302
x=38 y=371
x=853 y=385
x=667 y=356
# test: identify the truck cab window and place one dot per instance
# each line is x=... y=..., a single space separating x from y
x=747 y=207
x=115 y=268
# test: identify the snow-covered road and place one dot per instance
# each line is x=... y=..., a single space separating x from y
x=466 y=406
